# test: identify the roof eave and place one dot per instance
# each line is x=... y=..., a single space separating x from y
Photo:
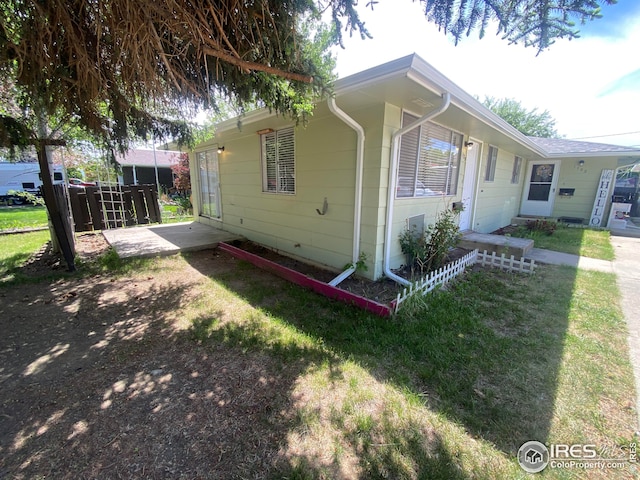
x=425 y=74
x=621 y=153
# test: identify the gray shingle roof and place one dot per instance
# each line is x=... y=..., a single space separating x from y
x=555 y=146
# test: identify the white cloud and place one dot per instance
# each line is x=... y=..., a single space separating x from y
x=568 y=79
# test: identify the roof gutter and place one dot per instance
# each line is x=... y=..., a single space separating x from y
x=393 y=174
x=357 y=209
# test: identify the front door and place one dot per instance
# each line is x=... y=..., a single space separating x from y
x=540 y=188
x=468 y=184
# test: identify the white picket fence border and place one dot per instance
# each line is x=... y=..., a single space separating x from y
x=452 y=270
x=511 y=264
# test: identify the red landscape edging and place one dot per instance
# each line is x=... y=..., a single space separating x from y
x=308 y=282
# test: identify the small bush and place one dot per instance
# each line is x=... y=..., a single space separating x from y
x=429 y=250
x=543 y=226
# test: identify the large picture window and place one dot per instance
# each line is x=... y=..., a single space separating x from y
x=429 y=160
x=278 y=161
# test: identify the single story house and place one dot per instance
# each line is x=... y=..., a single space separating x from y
x=139 y=167
x=397 y=144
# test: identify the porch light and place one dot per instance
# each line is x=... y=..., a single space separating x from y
x=220 y=150
x=469 y=145
x=581 y=163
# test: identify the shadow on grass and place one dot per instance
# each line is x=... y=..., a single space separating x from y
x=485 y=353
x=96 y=365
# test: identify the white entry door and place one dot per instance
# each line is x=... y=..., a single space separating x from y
x=540 y=188
x=469 y=184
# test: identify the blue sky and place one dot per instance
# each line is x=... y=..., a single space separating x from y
x=590 y=85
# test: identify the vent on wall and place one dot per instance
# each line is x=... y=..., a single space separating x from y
x=416 y=224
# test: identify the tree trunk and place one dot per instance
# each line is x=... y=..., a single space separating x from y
x=59 y=234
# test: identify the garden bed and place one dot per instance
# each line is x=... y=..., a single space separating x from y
x=375 y=297
x=383 y=291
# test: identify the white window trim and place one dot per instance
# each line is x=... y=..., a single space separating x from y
x=212 y=187
x=417 y=161
x=278 y=173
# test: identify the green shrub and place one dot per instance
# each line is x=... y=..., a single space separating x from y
x=429 y=250
x=543 y=226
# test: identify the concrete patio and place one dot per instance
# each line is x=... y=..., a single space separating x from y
x=155 y=240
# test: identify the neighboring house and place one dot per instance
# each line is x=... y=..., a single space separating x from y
x=139 y=167
x=398 y=144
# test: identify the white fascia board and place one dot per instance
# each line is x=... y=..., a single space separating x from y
x=395 y=68
x=253 y=116
x=617 y=154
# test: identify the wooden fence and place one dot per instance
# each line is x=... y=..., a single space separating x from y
x=99 y=208
x=450 y=271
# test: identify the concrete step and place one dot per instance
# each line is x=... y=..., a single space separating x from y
x=518 y=247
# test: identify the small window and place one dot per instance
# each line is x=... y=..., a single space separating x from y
x=492 y=159
x=278 y=161
x=517 y=165
x=57 y=176
x=28 y=185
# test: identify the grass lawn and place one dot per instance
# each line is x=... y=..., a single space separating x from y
x=22 y=217
x=451 y=387
x=578 y=241
x=174 y=214
x=448 y=389
x=15 y=249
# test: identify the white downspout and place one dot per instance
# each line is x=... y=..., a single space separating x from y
x=357 y=209
x=393 y=174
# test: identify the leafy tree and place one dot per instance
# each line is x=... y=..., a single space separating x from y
x=530 y=122
x=182 y=180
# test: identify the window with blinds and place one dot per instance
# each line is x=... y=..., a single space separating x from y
x=429 y=160
x=278 y=161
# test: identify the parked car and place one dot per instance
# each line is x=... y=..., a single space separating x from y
x=76 y=182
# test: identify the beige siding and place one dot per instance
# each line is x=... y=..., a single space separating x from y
x=585 y=181
x=497 y=202
x=325 y=168
x=404 y=208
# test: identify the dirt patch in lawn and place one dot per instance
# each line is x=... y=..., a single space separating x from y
x=89 y=246
x=101 y=378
